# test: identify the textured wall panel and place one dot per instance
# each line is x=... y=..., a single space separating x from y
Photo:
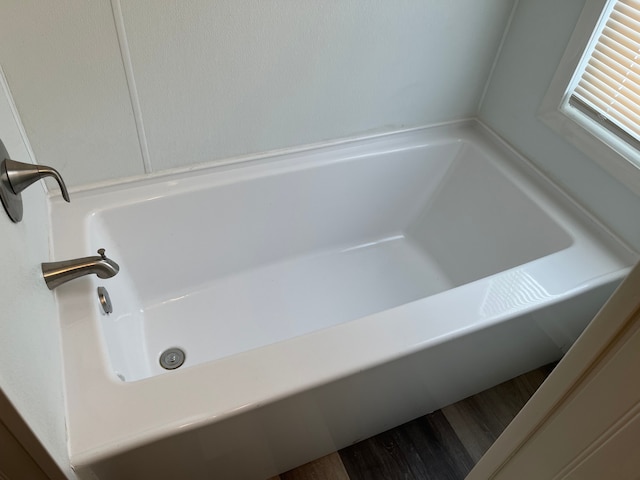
x=64 y=68
x=218 y=79
x=30 y=359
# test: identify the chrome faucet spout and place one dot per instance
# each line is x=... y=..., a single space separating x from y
x=57 y=273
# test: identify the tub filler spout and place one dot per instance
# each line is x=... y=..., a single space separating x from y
x=57 y=273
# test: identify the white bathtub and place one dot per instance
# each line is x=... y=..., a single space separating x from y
x=320 y=296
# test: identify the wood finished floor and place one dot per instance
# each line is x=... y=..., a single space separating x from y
x=443 y=445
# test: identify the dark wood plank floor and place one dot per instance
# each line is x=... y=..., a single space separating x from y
x=444 y=445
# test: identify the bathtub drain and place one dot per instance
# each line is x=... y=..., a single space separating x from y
x=172 y=358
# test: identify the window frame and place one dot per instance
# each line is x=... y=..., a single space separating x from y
x=606 y=149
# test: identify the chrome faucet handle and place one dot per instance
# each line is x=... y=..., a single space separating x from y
x=101 y=253
x=21 y=175
x=16 y=176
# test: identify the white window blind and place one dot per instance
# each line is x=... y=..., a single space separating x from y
x=608 y=89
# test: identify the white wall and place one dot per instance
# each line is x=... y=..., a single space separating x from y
x=536 y=41
x=109 y=90
x=30 y=358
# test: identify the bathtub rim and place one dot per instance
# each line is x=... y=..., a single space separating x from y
x=455 y=131
x=104 y=448
x=360 y=139
x=86 y=448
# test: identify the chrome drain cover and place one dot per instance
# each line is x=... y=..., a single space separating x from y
x=172 y=358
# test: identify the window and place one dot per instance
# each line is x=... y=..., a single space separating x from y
x=607 y=87
x=594 y=98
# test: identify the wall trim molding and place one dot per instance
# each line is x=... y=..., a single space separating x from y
x=125 y=53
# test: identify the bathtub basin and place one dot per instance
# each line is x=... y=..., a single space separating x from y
x=320 y=296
